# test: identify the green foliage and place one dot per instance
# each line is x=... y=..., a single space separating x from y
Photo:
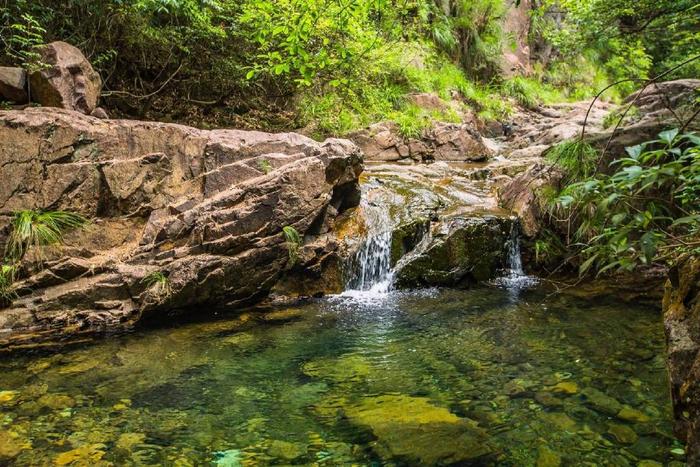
x=577 y=158
x=265 y=166
x=613 y=118
x=646 y=212
x=158 y=285
x=7 y=278
x=37 y=229
x=21 y=39
x=293 y=243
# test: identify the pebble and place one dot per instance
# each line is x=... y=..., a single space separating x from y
x=629 y=414
x=622 y=433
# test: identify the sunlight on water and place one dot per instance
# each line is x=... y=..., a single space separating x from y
x=434 y=377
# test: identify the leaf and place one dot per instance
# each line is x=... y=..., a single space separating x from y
x=686 y=220
x=635 y=151
x=586 y=265
x=250 y=74
x=668 y=136
x=648 y=244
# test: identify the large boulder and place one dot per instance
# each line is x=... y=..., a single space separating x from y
x=682 y=324
x=13 y=84
x=441 y=142
x=205 y=209
x=67 y=80
x=457 y=251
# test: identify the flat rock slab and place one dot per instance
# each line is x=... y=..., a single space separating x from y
x=418 y=432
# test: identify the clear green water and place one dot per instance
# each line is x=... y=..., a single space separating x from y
x=477 y=377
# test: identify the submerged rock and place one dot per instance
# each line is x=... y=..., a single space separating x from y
x=197 y=207
x=600 y=401
x=460 y=250
x=415 y=431
x=11 y=444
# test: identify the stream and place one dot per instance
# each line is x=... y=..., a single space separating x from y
x=504 y=373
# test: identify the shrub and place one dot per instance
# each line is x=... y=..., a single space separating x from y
x=37 y=229
x=293 y=243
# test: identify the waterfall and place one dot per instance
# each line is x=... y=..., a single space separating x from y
x=370 y=271
x=515 y=261
x=515 y=278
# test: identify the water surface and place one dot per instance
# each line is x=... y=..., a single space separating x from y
x=484 y=377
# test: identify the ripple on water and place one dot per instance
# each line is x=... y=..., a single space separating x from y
x=357 y=378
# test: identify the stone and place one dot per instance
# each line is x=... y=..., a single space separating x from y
x=649 y=463
x=13 y=85
x=548 y=400
x=283 y=316
x=559 y=420
x=11 y=444
x=189 y=203
x=6 y=397
x=622 y=433
x=347 y=368
x=99 y=112
x=56 y=401
x=462 y=250
x=600 y=402
x=127 y=441
x=630 y=414
x=286 y=450
x=441 y=142
x=566 y=387
x=418 y=432
x=89 y=454
x=68 y=81
x=547 y=458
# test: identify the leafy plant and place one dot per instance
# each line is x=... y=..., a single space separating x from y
x=293 y=243
x=37 y=229
x=646 y=212
x=265 y=166
x=158 y=285
x=7 y=278
x=577 y=158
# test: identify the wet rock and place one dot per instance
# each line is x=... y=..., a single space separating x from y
x=347 y=368
x=600 y=401
x=188 y=203
x=56 y=401
x=547 y=458
x=406 y=236
x=565 y=387
x=461 y=250
x=630 y=414
x=560 y=420
x=283 y=316
x=548 y=400
x=68 y=81
x=622 y=433
x=286 y=450
x=89 y=454
x=13 y=84
x=419 y=433
x=518 y=387
x=649 y=463
x=11 y=444
x=7 y=397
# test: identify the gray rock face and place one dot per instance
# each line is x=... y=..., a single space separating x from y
x=204 y=208
x=682 y=324
x=68 y=81
x=442 y=142
x=13 y=84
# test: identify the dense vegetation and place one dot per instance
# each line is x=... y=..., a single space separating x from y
x=335 y=65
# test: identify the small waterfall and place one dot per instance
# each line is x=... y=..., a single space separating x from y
x=515 y=261
x=515 y=278
x=371 y=268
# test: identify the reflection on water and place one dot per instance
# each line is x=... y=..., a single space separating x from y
x=436 y=377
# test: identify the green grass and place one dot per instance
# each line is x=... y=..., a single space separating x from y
x=36 y=229
x=577 y=158
x=158 y=284
x=7 y=278
x=293 y=242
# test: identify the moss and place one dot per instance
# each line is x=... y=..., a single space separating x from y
x=406 y=237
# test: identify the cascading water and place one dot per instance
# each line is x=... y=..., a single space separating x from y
x=515 y=278
x=371 y=272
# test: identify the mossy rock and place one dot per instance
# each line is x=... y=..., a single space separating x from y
x=406 y=236
x=414 y=431
x=463 y=250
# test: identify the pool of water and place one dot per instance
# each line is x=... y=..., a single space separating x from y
x=479 y=377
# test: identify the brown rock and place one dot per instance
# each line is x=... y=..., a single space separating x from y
x=682 y=323
x=99 y=112
x=191 y=204
x=68 y=81
x=13 y=84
